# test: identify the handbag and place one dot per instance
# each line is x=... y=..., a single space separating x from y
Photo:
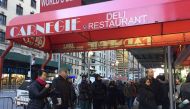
x=136 y=102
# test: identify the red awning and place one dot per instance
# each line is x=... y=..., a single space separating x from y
x=162 y=22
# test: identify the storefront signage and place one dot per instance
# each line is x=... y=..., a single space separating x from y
x=50 y=5
x=52 y=27
x=80 y=24
x=139 y=42
x=110 y=44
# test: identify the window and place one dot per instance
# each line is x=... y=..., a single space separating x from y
x=64 y=59
x=86 y=2
x=19 y=10
x=75 y=71
x=33 y=3
x=18 y=45
x=93 y=67
x=54 y=57
x=3 y=3
x=2 y=36
x=76 y=62
x=32 y=12
x=93 y=61
x=3 y=19
x=94 y=54
x=83 y=67
x=70 y=61
x=100 y=68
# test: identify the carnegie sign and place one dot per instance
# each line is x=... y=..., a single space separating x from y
x=80 y=24
x=50 y=5
x=39 y=29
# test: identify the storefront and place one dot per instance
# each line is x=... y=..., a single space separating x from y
x=116 y=24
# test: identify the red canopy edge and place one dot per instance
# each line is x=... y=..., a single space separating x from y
x=47 y=43
x=99 y=22
x=50 y=23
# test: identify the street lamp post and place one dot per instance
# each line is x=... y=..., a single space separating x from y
x=89 y=54
x=32 y=62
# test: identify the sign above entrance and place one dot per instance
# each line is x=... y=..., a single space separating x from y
x=50 y=5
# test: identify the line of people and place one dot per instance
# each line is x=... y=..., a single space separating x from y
x=149 y=92
x=96 y=95
x=106 y=96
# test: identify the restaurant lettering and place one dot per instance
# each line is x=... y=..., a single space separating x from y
x=45 y=3
x=51 y=5
x=52 y=27
x=110 y=44
x=117 y=19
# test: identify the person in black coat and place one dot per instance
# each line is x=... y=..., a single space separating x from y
x=38 y=92
x=99 y=93
x=146 y=96
x=121 y=96
x=85 y=93
x=73 y=94
x=163 y=92
x=185 y=92
x=112 y=96
x=62 y=93
x=155 y=86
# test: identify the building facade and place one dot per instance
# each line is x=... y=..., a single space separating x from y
x=100 y=62
x=122 y=58
x=17 y=62
x=128 y=65
x=73 y=61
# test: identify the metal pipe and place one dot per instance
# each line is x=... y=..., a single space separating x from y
x=133 y=68
x=170 y=78
x=123 y=62
x=138 y=71
x=59 y=61
x=88 y=60
x=47 y=61
x=2 y=57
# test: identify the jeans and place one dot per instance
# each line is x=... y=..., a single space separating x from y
x=98 y=104
x=85 y=104
x=130 y=101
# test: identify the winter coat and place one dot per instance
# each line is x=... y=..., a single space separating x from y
x=38 y=96
x=130 y=91
x=112 y=94
x=85 y=92
x=99 y=90
x=127 y=91
x=120 y=91
x=185 y=93
x=155 y=86
x=146 y=98
x=63 y=91
x=73 y=94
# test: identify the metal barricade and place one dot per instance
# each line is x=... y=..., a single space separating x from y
x=22 y=101
x=6 y=103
